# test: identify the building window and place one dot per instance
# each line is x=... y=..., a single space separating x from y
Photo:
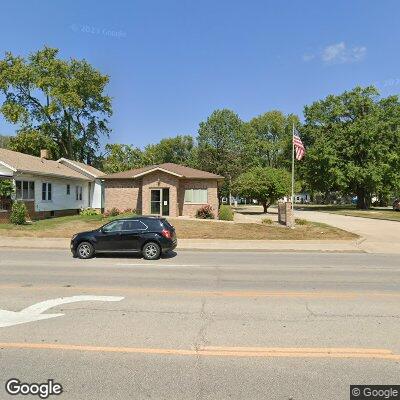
x=78 y=193
x=25 y=190
x=68 y=190
x=196 y=196
x=46 y=191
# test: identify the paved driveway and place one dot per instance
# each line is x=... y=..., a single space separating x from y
x=377 y=236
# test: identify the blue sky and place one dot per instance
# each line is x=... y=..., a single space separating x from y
x=171 y=63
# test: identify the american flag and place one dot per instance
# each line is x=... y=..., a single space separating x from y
x=298 y=146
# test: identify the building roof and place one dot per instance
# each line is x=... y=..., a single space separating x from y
x=175 y=169
x=19 y=162
x=85 y=167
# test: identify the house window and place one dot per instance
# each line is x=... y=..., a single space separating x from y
x=46 y=191
x=196 y=196
x=68 y=190
x=25 y=190
x=78 y=193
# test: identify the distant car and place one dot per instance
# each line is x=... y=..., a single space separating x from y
x=396 y=205
x=150 y=236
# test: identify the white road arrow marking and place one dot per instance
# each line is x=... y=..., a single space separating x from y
x=34 y=312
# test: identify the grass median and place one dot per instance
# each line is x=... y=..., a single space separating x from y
x=65 y=227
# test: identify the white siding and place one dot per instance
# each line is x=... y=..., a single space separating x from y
x=5 y=171
x=97 y=194
x=60 y=200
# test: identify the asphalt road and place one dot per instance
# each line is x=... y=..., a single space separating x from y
x=203 y=325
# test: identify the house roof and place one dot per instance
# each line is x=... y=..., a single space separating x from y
x=19 y=162
x=175 y=169
x=85 y=167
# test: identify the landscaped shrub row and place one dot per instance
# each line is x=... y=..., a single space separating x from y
x=225 y=213
x=113 y=212
x=205 y=212
x=19 y=213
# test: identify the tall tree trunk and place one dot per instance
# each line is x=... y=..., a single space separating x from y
x=265 y=206
x=362 y=199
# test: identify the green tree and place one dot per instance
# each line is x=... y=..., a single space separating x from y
x=4 y=141
x=178 y=150
x=31 y=142
x=267 y=139
x=62 y=99
x=121 y=157
x=219 y=147
x=265 y=184
x=353 y=142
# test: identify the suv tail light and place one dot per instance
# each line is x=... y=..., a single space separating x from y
x=166 y=233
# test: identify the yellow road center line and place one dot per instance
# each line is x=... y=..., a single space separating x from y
x=267 y=352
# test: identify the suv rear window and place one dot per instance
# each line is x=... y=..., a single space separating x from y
x=167 y=224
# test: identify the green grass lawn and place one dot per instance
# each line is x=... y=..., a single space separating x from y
x=65 y=227
x=53 y=223
x=375 y=212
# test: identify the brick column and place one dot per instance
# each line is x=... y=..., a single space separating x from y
x=289 y=214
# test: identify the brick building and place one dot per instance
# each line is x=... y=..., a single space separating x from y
x=166 y=189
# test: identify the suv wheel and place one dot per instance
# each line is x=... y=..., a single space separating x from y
x=85 y=250
x=151 y=251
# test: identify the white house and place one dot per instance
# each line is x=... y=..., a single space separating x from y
x=50 y=188
x=302 y=198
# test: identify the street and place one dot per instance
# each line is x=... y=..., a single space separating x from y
x=201 y=325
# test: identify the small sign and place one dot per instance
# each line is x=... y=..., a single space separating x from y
x=165 y=202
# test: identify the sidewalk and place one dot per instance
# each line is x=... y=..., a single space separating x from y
x=207 y=244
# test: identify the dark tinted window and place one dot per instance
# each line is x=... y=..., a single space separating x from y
x=153 y=224
x=133 y=225
x=167 y=224
x=114 y=226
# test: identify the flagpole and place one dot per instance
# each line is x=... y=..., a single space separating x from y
x=293 y=168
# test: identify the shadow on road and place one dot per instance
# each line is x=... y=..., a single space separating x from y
x=137 y=256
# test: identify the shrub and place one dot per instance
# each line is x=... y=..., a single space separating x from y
x=300 y=221
x=18 y=213
x=266 y=221
x=6 y=188
x=225 y=213
x=129 y=211
x=205 y=212
x=112 y=213
x=89 y=212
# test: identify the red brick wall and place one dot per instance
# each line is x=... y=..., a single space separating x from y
x=4 y=217
x=160 y=180
x=123 y=194
x=212 y=193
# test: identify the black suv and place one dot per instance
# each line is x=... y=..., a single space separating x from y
x=150 y=236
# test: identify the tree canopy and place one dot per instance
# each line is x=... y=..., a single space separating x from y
x=353 y=142
x=4 y=141
x=64 y=100
x=121 y=157
x=267 y=139
x=219 y=146
x=31 y=142
x=178 y=150
x=265 y=184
